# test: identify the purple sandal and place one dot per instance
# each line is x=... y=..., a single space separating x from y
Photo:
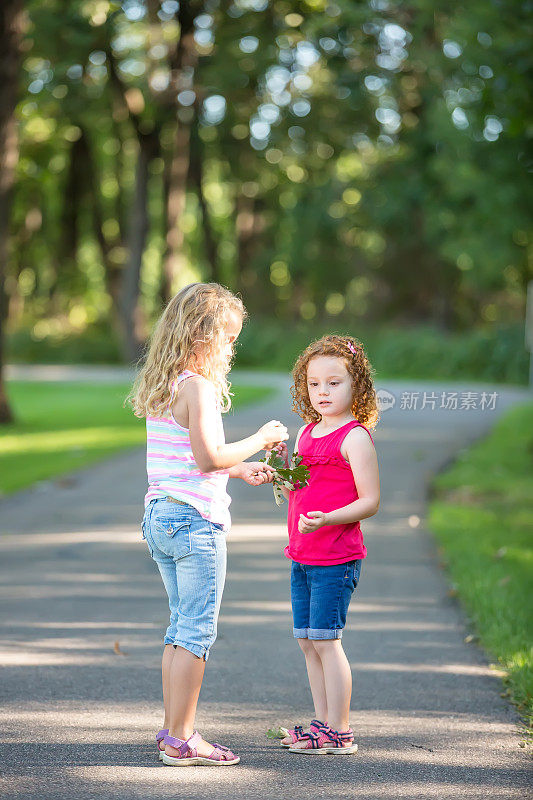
x=159 y=737
x=298 y=732
x=188 y=756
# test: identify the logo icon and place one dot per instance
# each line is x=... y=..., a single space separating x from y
x=385 y=399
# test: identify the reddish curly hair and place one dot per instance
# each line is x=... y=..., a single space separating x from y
x=364 y=402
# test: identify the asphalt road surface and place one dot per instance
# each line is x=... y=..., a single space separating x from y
x=83 y=614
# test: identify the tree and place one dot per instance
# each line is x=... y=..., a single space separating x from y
x=10 y=36
x=359 y=160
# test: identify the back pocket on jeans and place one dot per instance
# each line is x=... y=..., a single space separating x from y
x=174 y=535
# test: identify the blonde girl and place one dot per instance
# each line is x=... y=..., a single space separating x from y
x=334 y=394
x=182 y=390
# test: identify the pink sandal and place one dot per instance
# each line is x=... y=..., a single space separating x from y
x=220 y=756
x=298 y=732
x=159 y=737
x=327 y=742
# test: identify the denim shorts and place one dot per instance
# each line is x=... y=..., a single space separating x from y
x=190 y=552
x=320 y=598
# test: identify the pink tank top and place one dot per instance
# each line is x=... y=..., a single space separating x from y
x=331 y=485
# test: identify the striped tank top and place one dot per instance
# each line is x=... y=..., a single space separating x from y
x=173 y=472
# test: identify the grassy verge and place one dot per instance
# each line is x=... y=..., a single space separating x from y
x=482 y=514
x=63 y=426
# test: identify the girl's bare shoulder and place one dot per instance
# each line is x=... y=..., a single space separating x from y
x=356 y=440
x=193 y=395
x=301 y=430
x=196 y=386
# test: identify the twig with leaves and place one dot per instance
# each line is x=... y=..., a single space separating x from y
x=293 y=476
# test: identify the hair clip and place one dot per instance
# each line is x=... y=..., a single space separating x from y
x=351 y=347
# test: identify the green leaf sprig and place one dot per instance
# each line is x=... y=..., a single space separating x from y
x=277 y=733
x=295 y=476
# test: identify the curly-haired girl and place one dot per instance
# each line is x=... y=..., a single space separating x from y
x=181 y=391
x=333 y=392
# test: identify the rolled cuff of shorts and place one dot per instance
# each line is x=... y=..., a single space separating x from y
x=300 y=633
x=324 y=633
x=196 y=649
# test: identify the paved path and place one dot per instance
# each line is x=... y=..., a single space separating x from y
x=78 y=719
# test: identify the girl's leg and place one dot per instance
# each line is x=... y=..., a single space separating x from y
x=186 y=675
x=300 y=598
x=337 y=681
x=183 y=673
x=315 y=674
x=166 y=663
x=200 y=577
x=331 y=591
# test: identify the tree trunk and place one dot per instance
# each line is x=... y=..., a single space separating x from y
x=182 y=65
x=111 y=269
x=196 y=175
x=176 y=195
x=10 y=35
x=132 y=340
x=70 y=223
x=249 y=224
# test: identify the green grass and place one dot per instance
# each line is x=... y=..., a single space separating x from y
x=63 y=426
x=482 y=515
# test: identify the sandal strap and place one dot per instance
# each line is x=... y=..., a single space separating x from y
x=298 y=729
x=321 y=727
x=179 y=744
x=184 y=745
x=339 y=738
x=221 y=753
x=296 y=733
x=160 y=735
x=312 y=738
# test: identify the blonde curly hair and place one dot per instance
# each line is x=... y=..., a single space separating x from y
x=192 y=325
x=364 y=402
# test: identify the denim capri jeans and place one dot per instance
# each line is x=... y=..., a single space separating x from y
x=320 y=597
x=190 y=552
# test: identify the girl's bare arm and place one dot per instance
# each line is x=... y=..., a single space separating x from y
x=200 y=396
x=361 y=455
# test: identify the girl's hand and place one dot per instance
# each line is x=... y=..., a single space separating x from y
x=312 y=522
x=282 y=450
x=256 y=473
x=273 y=433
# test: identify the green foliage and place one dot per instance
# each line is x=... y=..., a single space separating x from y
x=365 y=160
x=288 y=476
x=492 y=353
x=277 y=733
x=495 y=354
x=482 y=515
x=94 y=346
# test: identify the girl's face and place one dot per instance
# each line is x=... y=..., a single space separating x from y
x=329 y=385
x=232 y=331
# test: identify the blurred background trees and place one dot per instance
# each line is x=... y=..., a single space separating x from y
x=358 y=166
